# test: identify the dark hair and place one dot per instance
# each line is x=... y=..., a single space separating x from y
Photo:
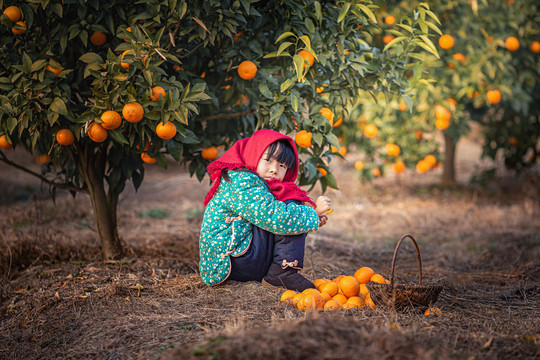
x=282 y=152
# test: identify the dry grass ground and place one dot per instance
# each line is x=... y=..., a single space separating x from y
x=58 y=300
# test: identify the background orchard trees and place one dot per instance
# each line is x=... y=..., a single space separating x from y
x=486 y=69
x=99 y=88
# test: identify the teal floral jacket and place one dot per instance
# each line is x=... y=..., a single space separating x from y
x=248 y=197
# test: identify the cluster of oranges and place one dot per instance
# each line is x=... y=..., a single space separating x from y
x=14 y=14
x=343 y=292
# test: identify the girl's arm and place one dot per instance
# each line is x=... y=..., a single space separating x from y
x=249 y=197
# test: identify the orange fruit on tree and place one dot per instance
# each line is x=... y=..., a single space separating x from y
x=442 y=124
x=387 y=38
x=535 y=47
x=43 y=159
x=442 y=113
x=146 y=146
x=422 y=166
x=330 y=288
x=392 y=149
x=247 y=70
x=97 y=133
x=332 y=305
x=303 y=139
x=359 y=165
x=237 y=36
x=4 y=144
x=323 y=171
x=19 y=31
x=418 y=134
x=459 y=57
x=306 y=55
x=364 y=274
x=339 y=122
x=125 y=65
x=451 y=101
x=349 y=286
x=133 y=112
x=13 y=13
x=494 y=96
x=398 y=167
x=209 y=153
x=512 y=141
x=431 y=160
x=390 y=20
x=98 y=38
x=512 y=43
x=65 y=137
x=147 y=158
x=314 y=302
x=378 y=279
x=370 y=131
x=446 y=42
x=157 y=91
x=111 y=120
x=376 y=172
x=55 y=70
x=288 y=295
x=402 y=106
x=166 y=131
x=328 y=114
x=433 y=311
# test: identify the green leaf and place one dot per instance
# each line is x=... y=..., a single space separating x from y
x=117 y=136
x=406 y=27
x=294 y=101
x=429 y=43
x=427 y=48
x=265 y=91
x=27 y=63
x=276 y=111
x=91 y=58
x=176 y=149
x=298 y=65
x=317 y=138
x=305 y=39
x=38 y=65
x=284 y=35
x=343 y=12
x=309 y=25
x=368 y=12
x=59 y=106
x=394 y=42
x=286 y=84
x=434 y=27
x=282 y=47
x=318 y=12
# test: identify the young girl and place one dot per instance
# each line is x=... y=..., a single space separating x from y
x=255 y=223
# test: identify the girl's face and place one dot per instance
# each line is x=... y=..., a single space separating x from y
x=270 y=168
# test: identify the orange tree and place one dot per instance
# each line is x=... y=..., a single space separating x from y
x=486 y=69
x=103 y=87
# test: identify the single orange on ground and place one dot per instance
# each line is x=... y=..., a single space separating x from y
x=4 y=144
x=378 y=279
x=535 y=47
x=157 y=91
x=332 y=305
x=392 y=149
x=387 y=38
x=319 y=282
x=314 y=302
x=446 y=42
x=19 y=31
x=147 y=158
x=133 y=112
x=512 y=43
x=98 y=38
x=330 y=288
x=390 y=20
x=166 y=131
x=209 y=153
x=247 y=70
x=13 y=13
x=349 y=286
x=494 y=96
x=65 y=137
x=111 y=120
x=459 y=57
x=328 y=114
x=433 y=311
x=364 y=274
x=422 y=166
x=303 y=139
x=97 y=133
x=306 y=55
x=398 y=167
x=359 y=165
x=370 y=131
x=323 y=171
x=288 y=295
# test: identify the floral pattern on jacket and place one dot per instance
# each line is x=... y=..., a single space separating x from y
x=248 y=197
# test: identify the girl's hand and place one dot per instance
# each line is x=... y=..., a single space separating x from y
x=323 y=204
x=322 y=220
x=231 y=219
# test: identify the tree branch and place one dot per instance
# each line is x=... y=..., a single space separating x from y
x=226 y=116
x=39 y=176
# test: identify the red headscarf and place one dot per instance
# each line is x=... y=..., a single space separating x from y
x=246 y=153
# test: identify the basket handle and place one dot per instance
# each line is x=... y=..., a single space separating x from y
x=417 y=255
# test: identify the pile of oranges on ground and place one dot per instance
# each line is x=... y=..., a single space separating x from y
x=343 y=292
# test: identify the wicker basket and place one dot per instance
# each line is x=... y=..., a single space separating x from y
x=404 y=296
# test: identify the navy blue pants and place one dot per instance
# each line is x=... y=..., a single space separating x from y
x=266 y=248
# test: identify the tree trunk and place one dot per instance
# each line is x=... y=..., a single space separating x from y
x=92 y=168
x=449 y=170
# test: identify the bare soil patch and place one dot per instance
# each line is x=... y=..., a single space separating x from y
x=58 y=299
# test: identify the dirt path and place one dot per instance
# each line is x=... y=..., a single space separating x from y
x=482 y=244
